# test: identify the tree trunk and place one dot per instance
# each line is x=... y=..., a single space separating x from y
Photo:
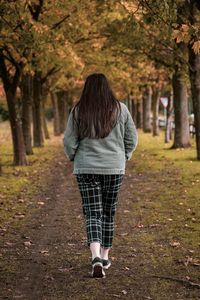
x=10 y=87
x=181 y=135
x=155 y=107
x=147 y=100
x=134 y=110
x=38 y=139
x=168 y=129
x=195 y=88
x=0 y=169
x=194 y=60
x=44 y=122
x=139 y=114
x=129 y=103
x=27 y=99
x=45 y=92
x=16 y=129
x=62 y=109
x=56 y=121
x=67 y=112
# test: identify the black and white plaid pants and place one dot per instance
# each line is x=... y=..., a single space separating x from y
x=99 y=195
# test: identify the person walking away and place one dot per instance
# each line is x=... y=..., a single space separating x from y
x=99 y=138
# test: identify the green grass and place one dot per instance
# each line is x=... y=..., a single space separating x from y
x=160 y=155
x=19 y=183
x=169 y=198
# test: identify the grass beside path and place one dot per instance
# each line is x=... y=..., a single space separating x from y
x=156 y=247
x=163 y=218
x=19 y=183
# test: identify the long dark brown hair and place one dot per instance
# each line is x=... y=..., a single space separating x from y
x=97 y=111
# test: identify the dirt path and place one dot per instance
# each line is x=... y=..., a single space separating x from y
x=47 y=259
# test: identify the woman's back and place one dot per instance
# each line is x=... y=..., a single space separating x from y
x=102 y=155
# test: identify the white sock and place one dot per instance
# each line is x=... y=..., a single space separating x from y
x=104 y=252
x=95 y=249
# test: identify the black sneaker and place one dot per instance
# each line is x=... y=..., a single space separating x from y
x=97 y=268
x=106 y=263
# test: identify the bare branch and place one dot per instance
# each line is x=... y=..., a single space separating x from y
x=11 y=59
x=185 y=282
x=52 y=71
x=60 y=22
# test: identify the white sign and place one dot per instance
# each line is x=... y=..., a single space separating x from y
x=164 y=101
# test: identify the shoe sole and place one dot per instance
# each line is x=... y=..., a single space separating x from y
x=97 y=271
x=107 y=266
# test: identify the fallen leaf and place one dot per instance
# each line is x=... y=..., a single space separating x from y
x=44 y=251
x=154 y=225
x=64 y=270
x=21 y=200
x=191 y=251
x=139 y=225
x=9 y=243
x=28 y=243
x=196 y=264
x=124 y=292
x=188 y=260
x=19 y=216
x=124 y=234
x=175 y=244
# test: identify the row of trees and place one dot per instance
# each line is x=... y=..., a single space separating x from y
x=165 y=35
x=36 y=59
x=145 y=47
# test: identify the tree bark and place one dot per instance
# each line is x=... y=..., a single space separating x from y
x=147 y=100
x=155 y=107
x=129 y=103
x=168 y=129
x=44 y=122
x=134 y=110
x=45 y=92
x=10 y=87
x=194 y=61
x=181 y=135
x=62 y=109
x=16 y=129
x=139 y=114
x=27 y=100
x=56 y=121
x=38 y=139
x=195 y=88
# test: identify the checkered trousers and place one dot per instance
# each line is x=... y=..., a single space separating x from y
x=99 y=199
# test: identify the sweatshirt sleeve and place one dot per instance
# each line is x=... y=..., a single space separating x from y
x=70 y=140
x=130 y=136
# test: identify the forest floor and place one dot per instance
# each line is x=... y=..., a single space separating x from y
x=156 y=249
